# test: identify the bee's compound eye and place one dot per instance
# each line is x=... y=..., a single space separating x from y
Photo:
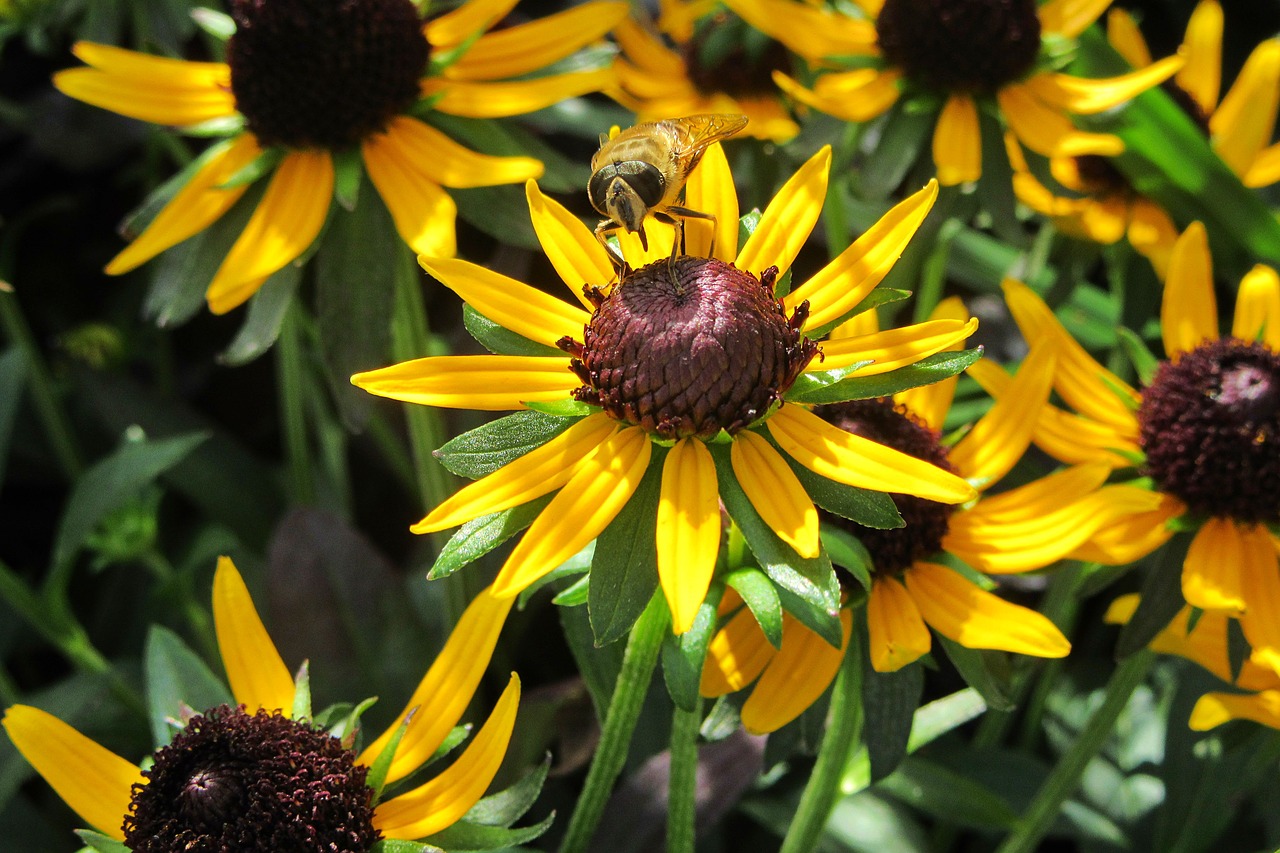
x=645 y=179
x=598 y=187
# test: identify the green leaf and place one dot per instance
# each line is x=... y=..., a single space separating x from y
x=481 y=535
x=508 y=806
x=684 y=654
x=761 y=598
x=501 y=212
x=944 y=715
x=1161 y=596
x=599 y=667
x=577 y=594
x=399 y=845
x=377 y=778
x=500 y=340
x=1144 y=360
x=463 y=836
x=266 y=312
x=984 y=670
x=265 y=162
x=948 y=795
x=935 y=368
x=348 y=168
x=176 y=676
x=848 y=552
x=624 y=571
x=483 y=450
x=889 y=702
x=13 y=379
x=112 y=483
x=101 y=843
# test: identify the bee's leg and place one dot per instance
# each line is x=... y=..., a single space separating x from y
x=615 y=256
x=685 y=212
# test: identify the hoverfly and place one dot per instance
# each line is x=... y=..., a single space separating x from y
x=643 y=170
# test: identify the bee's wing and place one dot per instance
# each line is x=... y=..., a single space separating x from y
x=694 y=134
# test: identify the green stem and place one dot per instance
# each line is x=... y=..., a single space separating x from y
x=1065 y=778
x=197 y=616
x=638 y=663
x=844 y=721
x=292 y=369
x=683 y=785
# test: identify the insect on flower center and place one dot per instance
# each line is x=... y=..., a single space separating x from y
x=324 y=75
x=894 y=551
x=727 y=56
x=249 y=783
x=1210 y=427
x=689 y=346
x=960 y=45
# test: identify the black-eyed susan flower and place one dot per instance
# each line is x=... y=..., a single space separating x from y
x=255 y=772
x=959 y=57
x=1203 y=639
x=700 y=58
x=685 y=364
x=312 y=94
x=1205 y=433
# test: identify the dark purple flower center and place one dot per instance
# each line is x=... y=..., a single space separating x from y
x=726 y=56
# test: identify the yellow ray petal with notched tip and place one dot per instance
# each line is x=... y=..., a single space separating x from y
x=810 y=31
x=799 y=674
x=488 y=383
x=258 y=677
x=526 y=47
x=459 y=24
x=1257 y=316
x=424 y=214
x=538 y=472
x=895 y=628
x=837 y=288
x=1214 y=709
x=894 y=348
x=1201 y=77
x=1048 y=132
x=1212 y=576
x=1265 y=170
x=859 y=95
x=688 y=531
x=287 y=221
x=452 y=165
x=736 y=656
x=1070 y=17
x=501 y=99
x=775 y=492
x=91 y=779
x=1085 y=96
x=195 y=207
x=1244 y=122
x=445 y=691
x=600 y=486
x=515 y=306
x=440 y=803
x=570 y=246
x=837 y=455
x=1126 y=39
x=976 y=619
x=1130 y=538
x=787 y=222
x=1189 y=311
x=710 y=190
x=1260 y=578
x=997 y=441
x=957 y=142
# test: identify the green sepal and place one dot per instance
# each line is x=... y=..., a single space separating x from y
x=563 y=408
x=874 y=299
x=747 y=224
x=377 y=778
x=578 y=564
x=265 y=162
x=302 y=692
x=864 y=506
x=683 y=655
x=348 y=173
x=343 y=721
x=510 y=804
x=889 y=702
x=813 y=388
x=575 y=594
x=267 y=309
x=1144 y=360
x=464 y=835
x=848 y=552
x=176 y=676
x=761 y=598
x=217 y=24
x=1161 y=596
x=500 y=340
x=399 y=845
x=101 y=843
x=481 y=535
x=487 y=448
x=985 y=670
x=624 y=570
x=215 y=127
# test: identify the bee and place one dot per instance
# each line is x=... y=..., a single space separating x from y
x=643 y=170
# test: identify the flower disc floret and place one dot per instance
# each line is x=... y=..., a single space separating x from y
x=719 y=60
x=324 y=75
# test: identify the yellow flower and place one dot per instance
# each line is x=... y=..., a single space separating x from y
x=304 y=90
x=100 y=785
x=690 y=354
x=1205 y=433
x=978 y=57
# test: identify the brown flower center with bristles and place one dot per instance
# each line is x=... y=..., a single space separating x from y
x=894 y=551
x=727 y=56
x=324 y=75
x=960 y=45
x=259 y=783
x=1210 y=428
x=1099 y=177
x=689 y=346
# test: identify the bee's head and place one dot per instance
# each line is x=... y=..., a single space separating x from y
x=626 y=192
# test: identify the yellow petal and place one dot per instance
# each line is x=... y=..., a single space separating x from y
x=1265 y=169
x=1070 y=17
x=957 y=142
x=1130 y=538
x=438 y=804
x=1048 y=132
x=449 y=164
x=1212 y=574
x=894 y=348
x=800 y=673
x=570 y=246
x=516 y=306
x=738 y=653
x=688 y=533
x=600 y=486
x=286 y=222
x=1260 y=579
x=976 y=619
x=527 y=47
x=258 y=677
x=856 y=461
x=1202 y=47
x=1214 y=709
x=459 y=24
x=490 y=383
x=659 y=235
x=91 y=779
x=1189 y=311
x=538 y=472
x=1126 y=38
x=1152 y=233
x=500 y=99
x=1088 y=96
x=774 y=491
x=811 y=31
x=195 y=207
x=839 y=286
x=1031 y=500
x=151 y=88
x=445 y=691
x=1257 y=315
x=895 y=628
x=424 y=214
x=787 y=221
x=710 y=189
x=646 y=49
x=857 y=96
x=1243 y=124
x=930 y=403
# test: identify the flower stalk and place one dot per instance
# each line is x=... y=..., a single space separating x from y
x=682 y=790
